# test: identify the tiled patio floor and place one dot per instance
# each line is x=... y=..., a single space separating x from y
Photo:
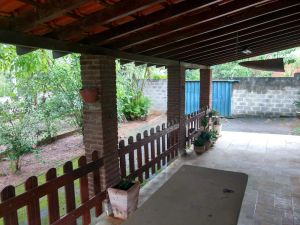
x=273 y=165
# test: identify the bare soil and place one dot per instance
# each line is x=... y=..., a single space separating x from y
x=55 y=154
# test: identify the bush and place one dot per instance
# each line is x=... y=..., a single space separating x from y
x=135 y=107
x=17 y=131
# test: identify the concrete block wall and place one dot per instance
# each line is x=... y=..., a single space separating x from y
x=157 y=92
x=268 y=97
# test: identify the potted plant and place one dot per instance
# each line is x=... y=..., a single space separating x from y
x=199 y=145
x=217 y=126
x=204 y=123
x=89 y=95
x=124 y=198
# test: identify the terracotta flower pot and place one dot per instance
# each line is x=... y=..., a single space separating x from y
x=217 y=128
x=207 y=145
x=199 y=149
x=124 y=202
x=89 y=95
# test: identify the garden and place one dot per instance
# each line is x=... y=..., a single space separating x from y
x=40 y=101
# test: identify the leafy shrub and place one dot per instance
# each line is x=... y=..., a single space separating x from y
x=17 y=131
x=135 y=107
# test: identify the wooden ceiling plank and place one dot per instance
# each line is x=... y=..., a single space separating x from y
x=231 y=56
x=246 y=42
x=107 y=15
x=235 y=50
x=185 y=22
x=265 y=29
x=223 y=26
x=258 y=53
x=44 y=14
x=168 y=13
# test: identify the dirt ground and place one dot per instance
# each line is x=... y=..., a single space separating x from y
x=55 y=154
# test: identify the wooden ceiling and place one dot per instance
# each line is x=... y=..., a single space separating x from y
x=205 y=32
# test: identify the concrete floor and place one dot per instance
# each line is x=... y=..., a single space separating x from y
x=273 y=164
x=262 y=125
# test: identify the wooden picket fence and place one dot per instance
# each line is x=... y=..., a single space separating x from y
x=193 y=124
x=139 y=159
x=10 y=203
x=144 y=156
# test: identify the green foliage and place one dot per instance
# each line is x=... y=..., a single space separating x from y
x=192 y=75
x=17 y=130
x=199 y=141
x=204 y=122
x=124 y=185
x=131 y=80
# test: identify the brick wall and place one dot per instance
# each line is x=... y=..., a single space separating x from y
x=270 y=97
x=100 y=128
x=176 y=100
x=157 y=92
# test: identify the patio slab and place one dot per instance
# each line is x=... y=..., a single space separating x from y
x=272 y=163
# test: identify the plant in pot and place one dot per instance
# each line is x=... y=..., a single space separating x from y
x=217 y=126
x=89 y=95
x=124 y=198
x=199 y=145
x=213 y=136
x=204 y=123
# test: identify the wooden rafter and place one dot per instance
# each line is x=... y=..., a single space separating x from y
x=264 y=48
x=107 y=15
x=42 y=14
x=240 y=56
x=225 y=23
x=260 y=29
x=244 y=41
x=168 y=13
x=247 y=44
x=185 y=23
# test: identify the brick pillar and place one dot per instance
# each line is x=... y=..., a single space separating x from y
x=100 y=125
x=205 y=88
x=176 y=100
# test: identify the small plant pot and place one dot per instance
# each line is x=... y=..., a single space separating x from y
x=124 y=202
x=199 y=149
x=207 y=145
x=298 y=115
x=89 y=95
x=217 y=128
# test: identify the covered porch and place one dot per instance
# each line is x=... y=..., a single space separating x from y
x=272 y=162
x=178 y=35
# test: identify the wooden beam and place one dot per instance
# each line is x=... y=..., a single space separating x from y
x=256 y=52
x=42 y=14
x=107 y=15
x=186 y=22
x=253 y=32
x=261 y=44
x=16 y=38
x=143 y=22
x=249 y=18
x=232 y=44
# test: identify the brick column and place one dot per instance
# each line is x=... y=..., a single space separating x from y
x=100 y=125
x=176 y=100
x=205 y=88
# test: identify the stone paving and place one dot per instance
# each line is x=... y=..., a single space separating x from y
x=273 y=164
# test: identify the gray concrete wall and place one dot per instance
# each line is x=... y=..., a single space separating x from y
x=269 y=97
x=156 y=91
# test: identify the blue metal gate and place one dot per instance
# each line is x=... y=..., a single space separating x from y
x=221 y=96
